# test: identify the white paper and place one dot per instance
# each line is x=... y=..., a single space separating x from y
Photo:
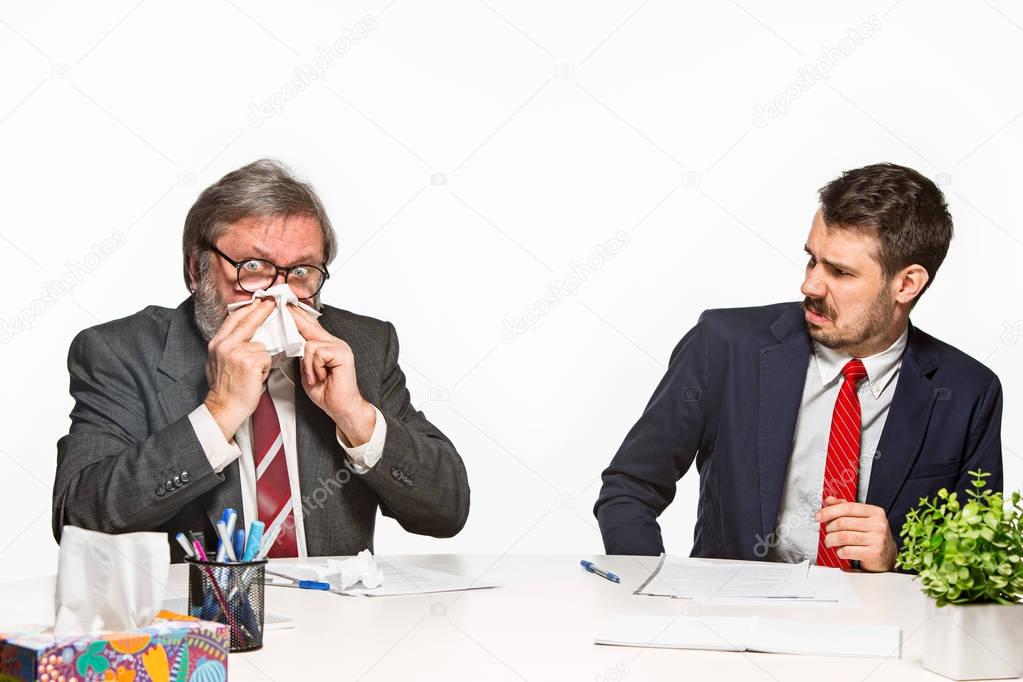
x=109 y=582
x=706 y=581
x=768 y=635
x=278 y=332
x=397 y=578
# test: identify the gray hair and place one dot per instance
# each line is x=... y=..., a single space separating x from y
x=262 y=188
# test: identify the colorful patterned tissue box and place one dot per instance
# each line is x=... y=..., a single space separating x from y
x=174 y=648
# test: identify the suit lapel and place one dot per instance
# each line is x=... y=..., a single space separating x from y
x=782 y=377
x=183 y=387
x=906 y=424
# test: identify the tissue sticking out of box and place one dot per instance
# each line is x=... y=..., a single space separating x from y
x=109 y=582
x=278 y=332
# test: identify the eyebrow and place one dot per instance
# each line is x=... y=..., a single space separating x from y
x=831 y=263
x=303 y=259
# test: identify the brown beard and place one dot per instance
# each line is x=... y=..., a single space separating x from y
x=877 y=319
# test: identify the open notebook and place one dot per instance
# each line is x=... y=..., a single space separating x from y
x=754 y=633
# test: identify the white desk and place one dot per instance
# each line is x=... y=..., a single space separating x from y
x=538 y=625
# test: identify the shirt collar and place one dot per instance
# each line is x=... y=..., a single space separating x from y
x=881 y=367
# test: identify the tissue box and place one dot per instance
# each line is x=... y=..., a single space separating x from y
x=174 y=648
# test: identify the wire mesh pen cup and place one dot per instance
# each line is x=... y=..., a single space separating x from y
x=232 y=594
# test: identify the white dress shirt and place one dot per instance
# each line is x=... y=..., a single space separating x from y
x=220 y=452
x=797 y=531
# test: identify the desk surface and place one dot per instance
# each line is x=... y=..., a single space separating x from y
x=539 y=625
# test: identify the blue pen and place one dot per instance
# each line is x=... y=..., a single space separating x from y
x=588 y=565
x=253 y=541
x=303 y=584
x=221 y=551
x=239 y=543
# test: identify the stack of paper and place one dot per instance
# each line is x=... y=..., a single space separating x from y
x=768 y=635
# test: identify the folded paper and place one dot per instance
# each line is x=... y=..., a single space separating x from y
x=279 y=332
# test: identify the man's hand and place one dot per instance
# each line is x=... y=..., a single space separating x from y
x=328 y=377
x=237 y=367
x=860 y=532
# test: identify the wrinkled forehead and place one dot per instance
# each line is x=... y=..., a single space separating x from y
x=282 y=239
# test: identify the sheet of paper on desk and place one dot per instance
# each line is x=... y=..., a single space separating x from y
x=399 y=578
x=767 y=635
x=705 y=580
x=749 y=583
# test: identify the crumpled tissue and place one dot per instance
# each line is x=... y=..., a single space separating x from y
x=341 y=574
x=278 y=332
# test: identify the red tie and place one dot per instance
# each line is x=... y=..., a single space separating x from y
x=273 y=487
x=842 y=468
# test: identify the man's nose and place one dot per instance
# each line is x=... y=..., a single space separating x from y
x=813 y=285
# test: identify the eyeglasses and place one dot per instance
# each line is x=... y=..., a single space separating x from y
x=257 y=273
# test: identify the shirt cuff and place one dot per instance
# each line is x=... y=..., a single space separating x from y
x=218 y=451
x=363 y=457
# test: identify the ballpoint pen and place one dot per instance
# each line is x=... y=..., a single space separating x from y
x=588 y=565
x=304 y=584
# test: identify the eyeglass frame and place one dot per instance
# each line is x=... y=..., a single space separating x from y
x=279 y=270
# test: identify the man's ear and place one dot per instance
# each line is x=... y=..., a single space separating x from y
x=193 y=272
x=909 y=283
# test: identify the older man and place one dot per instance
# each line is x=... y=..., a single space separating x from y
x=817 y=425
x=179 y=413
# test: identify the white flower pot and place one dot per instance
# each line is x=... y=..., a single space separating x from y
x=974 y=641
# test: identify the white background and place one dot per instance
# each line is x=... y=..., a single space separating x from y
x=470 y=154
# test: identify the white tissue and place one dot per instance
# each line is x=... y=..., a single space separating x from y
x=109 y=582
x=360 y=568
x=340 y=574
x=278 y=332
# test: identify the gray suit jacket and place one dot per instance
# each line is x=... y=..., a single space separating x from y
x=132 y=461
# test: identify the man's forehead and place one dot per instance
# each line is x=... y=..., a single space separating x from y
x=277 y=236
x=851 y=240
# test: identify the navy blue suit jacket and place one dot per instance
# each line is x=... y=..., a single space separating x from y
x=730 y=399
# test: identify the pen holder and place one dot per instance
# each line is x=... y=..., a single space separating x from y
x=232 y=594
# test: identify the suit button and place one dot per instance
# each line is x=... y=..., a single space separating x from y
x=184 y=477
x=160 y=491
x=177 y=481
x=169 y=485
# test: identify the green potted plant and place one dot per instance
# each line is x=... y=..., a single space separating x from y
x=967 y=557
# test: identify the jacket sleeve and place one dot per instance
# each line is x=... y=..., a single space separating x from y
x=420 y=478
x=984 y=441
x=112 y=473
x=640 y=481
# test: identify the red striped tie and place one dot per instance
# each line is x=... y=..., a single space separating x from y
x=273 y=487
x=842 y=468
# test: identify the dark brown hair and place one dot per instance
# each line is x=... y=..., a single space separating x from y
x=906 y=208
